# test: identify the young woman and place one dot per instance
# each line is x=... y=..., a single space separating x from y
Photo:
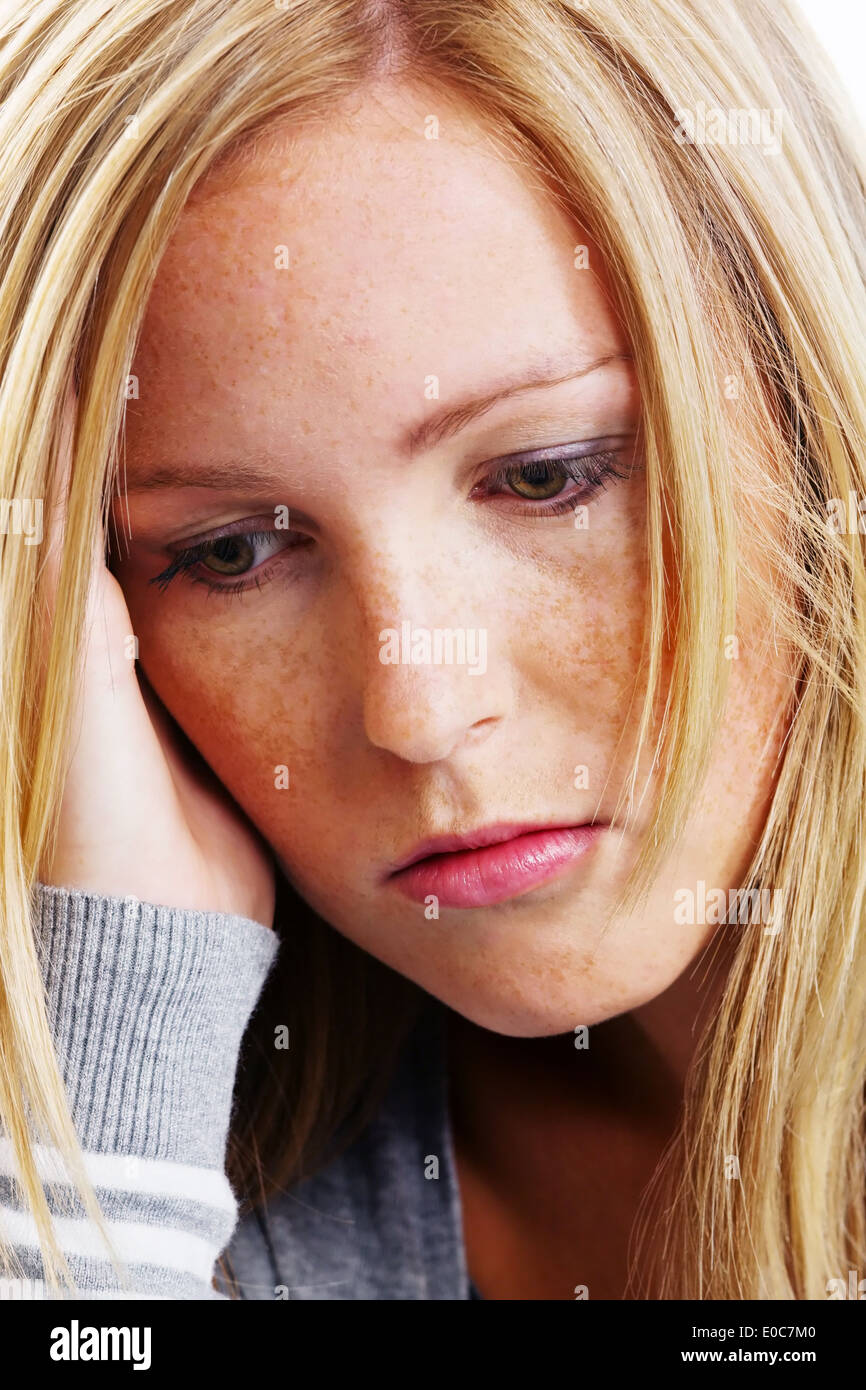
x=433 y=477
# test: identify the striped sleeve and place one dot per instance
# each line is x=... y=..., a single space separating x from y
x=148 y=1006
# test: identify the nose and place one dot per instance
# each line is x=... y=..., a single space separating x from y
x=435 y=672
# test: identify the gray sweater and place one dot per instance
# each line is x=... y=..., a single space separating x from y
x=148 y=1006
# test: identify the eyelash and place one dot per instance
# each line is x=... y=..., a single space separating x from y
x=593 y=471
x=186 y=560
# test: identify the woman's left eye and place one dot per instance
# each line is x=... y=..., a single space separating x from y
x=543 y=478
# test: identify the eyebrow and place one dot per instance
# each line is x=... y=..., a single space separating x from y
x=447 y=421
x=223 y=475
x=264 y=474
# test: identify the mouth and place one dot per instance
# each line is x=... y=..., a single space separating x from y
x=491 y=865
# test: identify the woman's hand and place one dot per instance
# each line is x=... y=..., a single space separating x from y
x=141 y=813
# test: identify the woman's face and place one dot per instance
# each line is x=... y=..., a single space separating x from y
x=321 y=412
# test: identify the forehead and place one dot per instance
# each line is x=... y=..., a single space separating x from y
x=336 y=268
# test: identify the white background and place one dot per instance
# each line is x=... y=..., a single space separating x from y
x=841 y=27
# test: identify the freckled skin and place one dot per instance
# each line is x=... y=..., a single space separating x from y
x=411 y=258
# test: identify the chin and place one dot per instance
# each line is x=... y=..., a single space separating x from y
x=537 y=996
x=537 y=1005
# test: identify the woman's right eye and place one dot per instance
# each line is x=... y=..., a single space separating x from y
x=229 y=556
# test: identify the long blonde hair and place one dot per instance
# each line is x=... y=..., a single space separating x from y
x=726 y=260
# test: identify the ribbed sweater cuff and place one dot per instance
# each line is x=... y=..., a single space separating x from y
x=148 y=1006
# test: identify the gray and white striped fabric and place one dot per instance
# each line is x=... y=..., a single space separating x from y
x=148 y=1006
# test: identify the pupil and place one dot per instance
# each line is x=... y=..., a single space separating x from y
x=230 y=555
x=537 y=480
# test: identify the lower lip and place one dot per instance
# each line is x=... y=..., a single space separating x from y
x=482 y=877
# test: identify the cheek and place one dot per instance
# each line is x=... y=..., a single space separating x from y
x=581 y=640
x=253 y=701
x=731 y=810
x=750 y=740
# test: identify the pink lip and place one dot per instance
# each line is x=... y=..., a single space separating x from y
x=492 y=865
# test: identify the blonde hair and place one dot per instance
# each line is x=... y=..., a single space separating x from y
x=723 y=257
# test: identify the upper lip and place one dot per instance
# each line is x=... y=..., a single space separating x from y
x=476 y=839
